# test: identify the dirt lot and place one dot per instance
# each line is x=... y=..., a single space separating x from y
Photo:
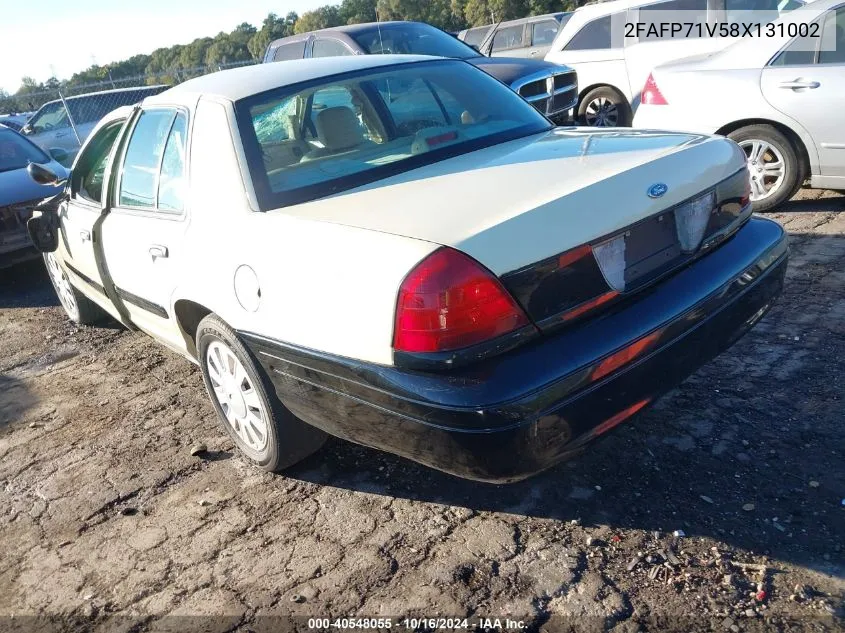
x=107 y=522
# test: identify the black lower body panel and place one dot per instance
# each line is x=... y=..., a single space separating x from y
x=519 y=413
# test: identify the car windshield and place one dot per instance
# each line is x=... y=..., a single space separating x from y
x=411 y=39
x=16 y=152
x=337 y=133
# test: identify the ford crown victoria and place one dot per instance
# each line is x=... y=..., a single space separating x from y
x=401 y=252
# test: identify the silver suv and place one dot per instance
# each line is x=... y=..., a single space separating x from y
x=61 y=133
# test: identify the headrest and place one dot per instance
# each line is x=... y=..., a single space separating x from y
x=338 y=128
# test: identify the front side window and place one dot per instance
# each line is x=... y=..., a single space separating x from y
x=592 y=36
x=52 y=116
x=508 y=37
x=90 y=169
x=329 y=48
x=544 y=32
x=17 y=152
x=309 y=142
x=139 y=178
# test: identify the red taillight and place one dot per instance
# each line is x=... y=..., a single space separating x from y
x=651 y=93
x=449 y=301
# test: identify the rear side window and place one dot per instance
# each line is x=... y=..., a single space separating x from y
x=475 y=36
x=544 y=32
x=329 y=48
x=157 y=144
x=171 y=183
x=508 y=37
x=592 y=36
x=833 y=38
x=294 y=50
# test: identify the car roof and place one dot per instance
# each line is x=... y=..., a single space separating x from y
x=348 y=29
x=238 y=83
x=534 y=18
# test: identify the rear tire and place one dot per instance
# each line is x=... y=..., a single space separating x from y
x=79 y=308
x=766 y=148
x=246 y=402
x=604 y=107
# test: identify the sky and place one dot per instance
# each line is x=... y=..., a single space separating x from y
x=59 y=37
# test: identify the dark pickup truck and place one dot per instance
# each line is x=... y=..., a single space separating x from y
x=551 y=88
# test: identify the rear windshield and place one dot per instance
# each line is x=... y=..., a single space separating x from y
x=16 y=152
x=313 y=140
x=411 y=39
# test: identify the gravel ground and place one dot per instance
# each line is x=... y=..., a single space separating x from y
x=107 y=522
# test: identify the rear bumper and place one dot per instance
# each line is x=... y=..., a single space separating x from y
x=519 y=413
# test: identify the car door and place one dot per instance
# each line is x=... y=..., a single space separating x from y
x=808 y=85
x=143 y=233
x=80 y=213
x=542 y=34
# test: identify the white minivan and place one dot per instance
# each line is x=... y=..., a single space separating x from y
x=614 y=45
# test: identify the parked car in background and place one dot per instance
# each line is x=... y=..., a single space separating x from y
x=52 y=127
x=19 y=194
x=428 y=266
x=782 y=99
x=15 y=121
x=612 y=68
x=551 y=88
x=527 y=37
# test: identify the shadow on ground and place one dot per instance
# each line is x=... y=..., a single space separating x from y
x=15 y=400
x=26 y=285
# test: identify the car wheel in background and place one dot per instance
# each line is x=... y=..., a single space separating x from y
x=604 y=107
x=246 y=403
x=773 y=165
x=79 y=308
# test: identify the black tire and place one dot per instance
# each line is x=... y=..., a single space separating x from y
x=288 y=439
x=79 y=308
x=793 y=167
x=623 y=115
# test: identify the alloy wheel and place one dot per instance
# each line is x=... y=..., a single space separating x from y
x=62 y=284
x=235 y=393
x=601 y=112
x=766 y=167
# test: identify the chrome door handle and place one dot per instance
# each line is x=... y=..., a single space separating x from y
x=797 y=84
x=534 y=53
x=60 y=135
x=156 y=251
x=85 y=236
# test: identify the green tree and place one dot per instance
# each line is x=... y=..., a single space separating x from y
x=320 y=18
x=436 y=12
x=358 y=11
x=272 y=28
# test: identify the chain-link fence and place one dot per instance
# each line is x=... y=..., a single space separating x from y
x=59 y=120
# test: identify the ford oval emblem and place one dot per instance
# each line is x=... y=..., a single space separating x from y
x=657 y=190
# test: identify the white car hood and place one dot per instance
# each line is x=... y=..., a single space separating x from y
x=515 y=203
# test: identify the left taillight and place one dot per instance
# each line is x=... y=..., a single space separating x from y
x=448 y=302
x=651 y=94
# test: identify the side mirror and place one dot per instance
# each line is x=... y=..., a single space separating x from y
x=59 y=155
x=26 y=130
x=43 y=230
x=475 y=48
x=44 y=175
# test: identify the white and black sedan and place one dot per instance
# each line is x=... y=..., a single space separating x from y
x=401 y=252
